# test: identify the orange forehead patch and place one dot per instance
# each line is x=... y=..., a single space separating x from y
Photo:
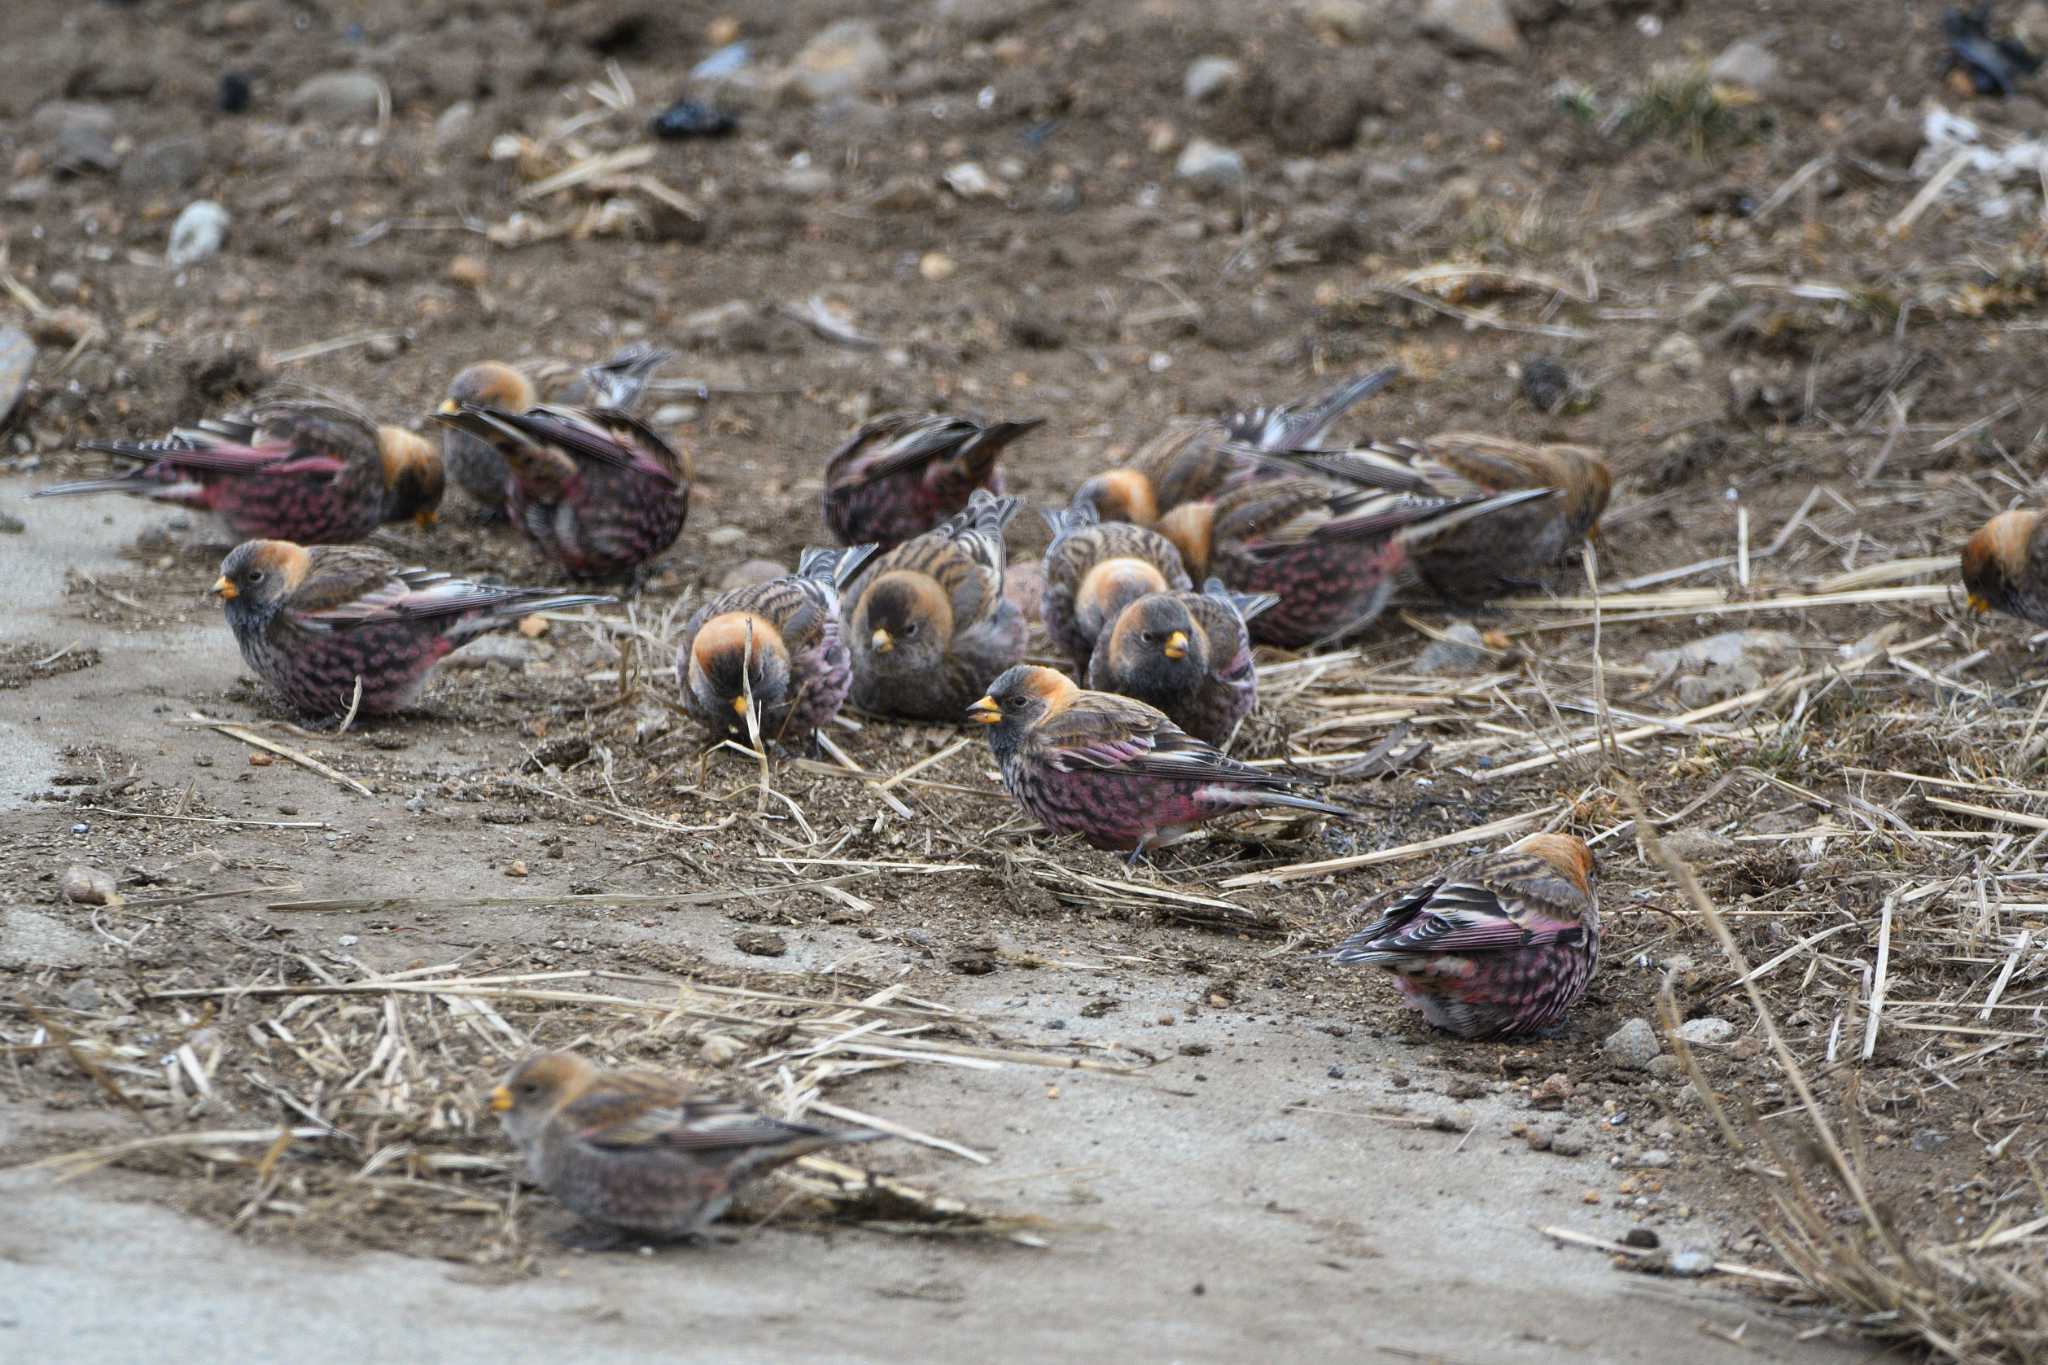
x=734 y=632
x=1567 y=854
x=2002 y=539
x=1119 y=579
x=1131 y=493
x=289 y=562
x=494 y=383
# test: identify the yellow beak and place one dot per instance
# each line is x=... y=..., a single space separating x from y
x=1177 y=645
x=501 y=1099
x=224 y=590
x=1978 y=604
x=985 y=712
x=739 y=705
x=881 y=642
x=451 y=406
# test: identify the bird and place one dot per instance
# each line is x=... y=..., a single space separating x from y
x=930 y=623
x=2005 y=566
x=1495 y=555
x=472 y=461
x=1114 y=770
x=769 y=660
x=903 y=473
x=595 y=489
x=309 y=470
x=1093 y=570
x=1330 y=551
x=1187 y=653
x=1193 y=461
x=312 y=620
x=633 y=1154
x=1499 y=944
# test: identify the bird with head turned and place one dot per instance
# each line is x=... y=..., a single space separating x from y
x=1093 y=570
x=473 y=462
x=1485 y=557
x=635 y=1155
x=903 y=473
x=1187 y=653
x=1496 y=945
x=769 y=661
x=2005 y=566
x=1331 y=552
x=931 y=623
x=313 y=471
x=316 y=622
x=597 y=490
x=1195 y=460
x=1116 y=771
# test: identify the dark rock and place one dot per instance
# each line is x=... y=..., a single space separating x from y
x=760 y=942
x=234 y=94
x=1545 y=383
x=1641 y=1237
x=687 y=118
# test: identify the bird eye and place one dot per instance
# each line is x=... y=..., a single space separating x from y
x=255 y=575
x=910 y=631
x=528 y=1088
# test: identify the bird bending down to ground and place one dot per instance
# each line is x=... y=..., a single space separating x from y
x=1495 y=555
x=2005 y=566
x=473 y=462
x=1093 y=570
x=930 y=625
x=903 y=473
x=595 y=489
x=1192 y=461
x=1329 y=551
x=633 y=1154
x=772 y=656
x=306 y=470
x=1186 y=653
x=1116 y=771
x=1500 y=944
x=310 y=622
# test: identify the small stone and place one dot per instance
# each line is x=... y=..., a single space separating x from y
x=17 y=362
x=1692 y=1263
x=1664 y=1066
x=533 y=627
x=760 y=943
x=1341 y=21
x=469 y=271
x=1655 y=1158
x=1209 y=77
x=1551 y=1092
x=1677 y=354
x=937 y=266
x=1460 y=651
x=720 y=1049
x=1590 y=1197
x=1641 y=1237
x=454 y=121
x=723 y=537
x=82 y=995
x=1161 y=137
x=903 y=194
x=385 y=346
x=84 y=885
x=843 y=59
x=260 y=760
x=234 y=93
x=1746 y=63
x=164 y=166
x=970 y=181
x=722 y=30
x=1335 y=1073
x=1481 y=27
x=199 y=232
x=803 y=182
x=1545 y=383
x=516 y=868
x=1708 y=1031
x=1632 y=1045
x=1928 y=1140
x=1204 y=162
x=688 y=118
x=1567 y=1144
x=749 y=572
x=340 y=97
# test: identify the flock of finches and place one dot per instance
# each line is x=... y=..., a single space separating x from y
x=1292 y=542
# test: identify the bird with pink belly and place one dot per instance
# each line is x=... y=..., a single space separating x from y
x=313 y=621
x=306 y=470
x=1330 y=552
x=635 y=1155
x=1093 y=570
x=903 y=473
x=1498 y=945
x=1116 y=771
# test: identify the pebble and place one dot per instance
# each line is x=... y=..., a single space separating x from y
x=1209 y=77
x=1928 y=1140
x=722 y=537
x=1545 y=383
x=675 y=414
x=1484 y=27
x=1664 y=1066
x=687 y=118
x=760 y=942
x=718 y=1049
x=804 y=182
x=1655 y=1158
x=1641 y=1237
x=469 y=270
x=843 y=59
x=1460 y=651
x=1567 y=1144
x=725 y=62
x=937 y=266
x=749 y=572
x=1692 y=1263
x=1335 y=1073
x=339 y=97
x=1206 y=163
x=234 y=93
x=1708 y=1030
x=454 y=121
x=167 y=164
x=1746 y=63
x=82 y=995
x=970 y=181
x=199 y=232
x=1632 y=1045
x=516 y=868
x=84 y=885
x=17 y=362
x=1677 y=354
x=1341 y=21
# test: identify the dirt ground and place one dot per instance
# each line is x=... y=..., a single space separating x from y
x=1267 y=1155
